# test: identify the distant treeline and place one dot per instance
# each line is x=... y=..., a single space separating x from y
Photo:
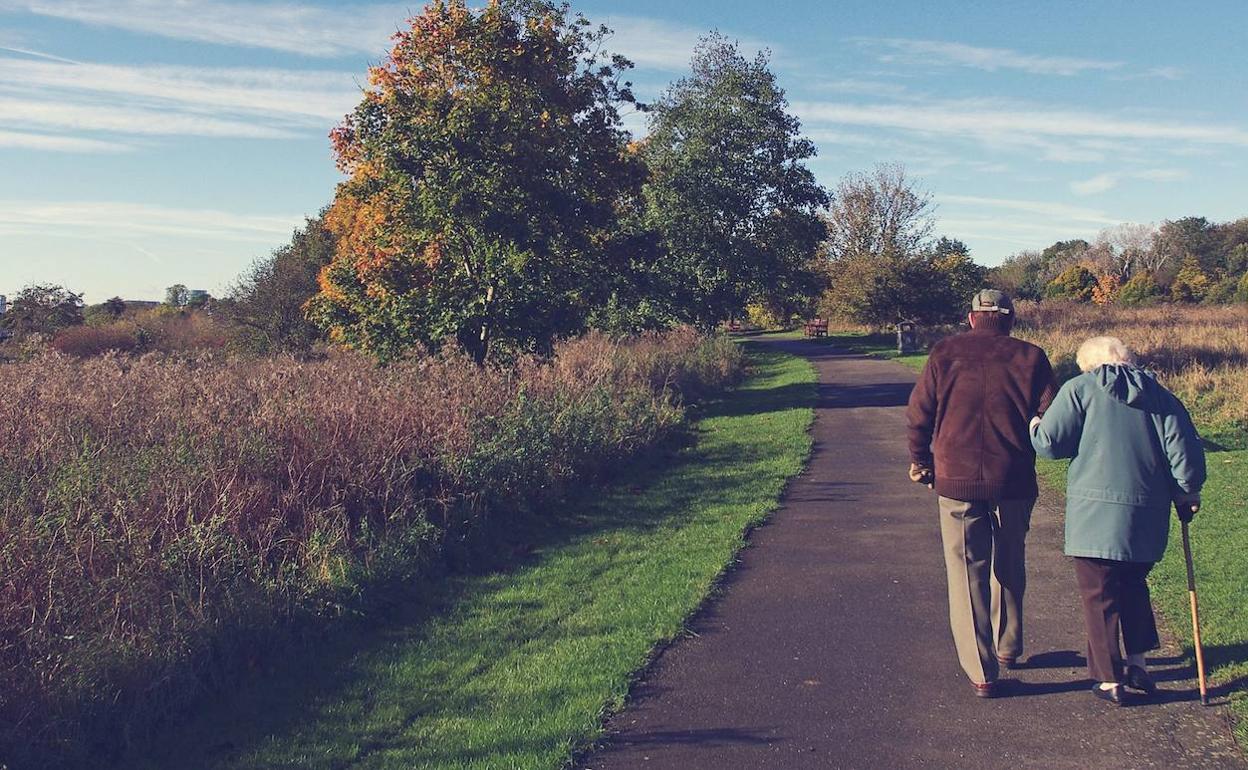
x=1183 y=260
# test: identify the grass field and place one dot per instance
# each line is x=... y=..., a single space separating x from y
x=517 y=668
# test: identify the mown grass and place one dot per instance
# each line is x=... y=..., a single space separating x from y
x=875 y=345
x=517 y=668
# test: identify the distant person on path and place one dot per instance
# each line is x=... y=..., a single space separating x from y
x=1135 y=452
x=968 y=418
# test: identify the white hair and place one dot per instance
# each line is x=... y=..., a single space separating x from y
x=1099 y=351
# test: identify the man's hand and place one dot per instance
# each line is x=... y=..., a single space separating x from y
x=923 y=474
x=1186 y=507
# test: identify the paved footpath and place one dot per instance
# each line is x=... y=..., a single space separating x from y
x=830 y=648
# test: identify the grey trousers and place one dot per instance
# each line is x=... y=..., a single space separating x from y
x=986 y=562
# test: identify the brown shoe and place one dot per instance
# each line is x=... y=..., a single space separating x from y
x=985 y=689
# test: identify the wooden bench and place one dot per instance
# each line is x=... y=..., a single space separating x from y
x=817 y=327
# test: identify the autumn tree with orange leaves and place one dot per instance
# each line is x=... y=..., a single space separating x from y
x=486 y=165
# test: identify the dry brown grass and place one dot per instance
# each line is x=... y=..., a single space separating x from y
x=158 y=514
x=1199 y=352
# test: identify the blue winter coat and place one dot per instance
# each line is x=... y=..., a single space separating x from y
x=1134 y=448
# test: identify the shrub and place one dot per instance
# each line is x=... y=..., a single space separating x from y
x=169 y=330
x=1241 y=291
x=83 y=341
x=1106 y=290
x=160 y=518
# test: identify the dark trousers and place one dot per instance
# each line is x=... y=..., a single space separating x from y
x=1115 y=596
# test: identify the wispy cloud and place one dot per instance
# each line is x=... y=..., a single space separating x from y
x=1108 y=181
x=989 y=59
x=334 y=31
x=23 y=140
x=663 y=45
x=129 y=120
x=1061 y=134
x=323 y=96
x=121 y=219
x=1058 y=212
x=1016 y=222
x=57 y=105
x=296 y=28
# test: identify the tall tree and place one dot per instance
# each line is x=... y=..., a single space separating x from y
x=881 y=215
x=267 y=303
x=734 y=205
x=1182 y=240
x=1019 y=275
x=484 y=164
x=177 y=295
x=882 y=265
x=42 y=309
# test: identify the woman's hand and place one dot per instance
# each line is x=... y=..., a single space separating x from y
x=1186 y=506
x=1035 y=423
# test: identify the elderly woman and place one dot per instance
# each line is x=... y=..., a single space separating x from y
x=1135 y=452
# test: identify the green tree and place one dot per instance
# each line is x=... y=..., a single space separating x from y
x=485 y=164
x=1236 y=261
x=267 y=303
x=1181 y=240
x=1190 y=283
x=955 y=279
x=43 y=309
x=104 y=313
x=1019 y=275
x=177 y=295
x=1076 y=282
x=734 y=205
x=115 y=307
x=1241 y=292
x=1140 y=289
x=1222 y=291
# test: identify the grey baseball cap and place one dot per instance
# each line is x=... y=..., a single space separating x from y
x=992 y=301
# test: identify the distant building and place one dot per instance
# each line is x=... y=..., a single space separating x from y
x=197 y=298
x=4 y=304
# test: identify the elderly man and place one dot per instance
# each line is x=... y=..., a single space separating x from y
x=968 y=428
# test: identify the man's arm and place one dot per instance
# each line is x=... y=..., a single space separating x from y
x=1046 y=385
x=921 y=416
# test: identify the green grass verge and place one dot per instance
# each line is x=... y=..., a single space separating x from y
x=517 y=668
x=874 y=345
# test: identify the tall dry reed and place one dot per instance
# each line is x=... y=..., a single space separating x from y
x=157 y=514
x=1200 y=352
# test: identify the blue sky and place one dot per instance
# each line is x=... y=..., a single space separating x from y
x=151 y=142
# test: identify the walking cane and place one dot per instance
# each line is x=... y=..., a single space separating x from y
x=1191 y=594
